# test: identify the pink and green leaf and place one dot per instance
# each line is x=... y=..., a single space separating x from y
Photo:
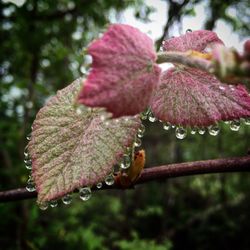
x=191 y=97
x=124 y=72
x=71 y=149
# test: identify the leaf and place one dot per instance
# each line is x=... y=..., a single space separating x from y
x=124 y=71
x=197 y=40
x=71 y=150
x=191 y=97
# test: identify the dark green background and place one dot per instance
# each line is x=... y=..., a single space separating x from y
x=39 y=56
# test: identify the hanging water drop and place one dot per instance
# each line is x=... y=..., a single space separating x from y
x=26 y=152
x=53 y=203
x=30 y=186
x=235 y=125
x=214 y=130
x=166 y=126
x=202 y=131
x=28 y=163
x=43 y=206
x=85 y=193
x=180 y=133
x=67 y=199
x=144 y=114
x=137 y=142
x=28 y=137
x=125 y=164
x=188 y=31
x=99 y=185
x=151 y=117
x=109 y=180
x=193 y=131
x=142 y=129
x=247 y=121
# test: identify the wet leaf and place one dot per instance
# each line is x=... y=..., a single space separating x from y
x=73 y=148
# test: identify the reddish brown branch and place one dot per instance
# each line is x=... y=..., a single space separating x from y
x=237 y=164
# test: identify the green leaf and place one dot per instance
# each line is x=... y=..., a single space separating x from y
x=71 y=148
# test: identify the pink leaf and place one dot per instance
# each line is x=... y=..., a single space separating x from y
x=197 y=40
x=70 y=149
x=124 y=71
x=192 y=97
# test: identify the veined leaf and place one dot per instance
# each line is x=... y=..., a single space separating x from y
x=71 y=149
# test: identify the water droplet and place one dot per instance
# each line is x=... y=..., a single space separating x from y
x=247 y=121
x=235 y=125
x=227 y=122
x=28 y=163
x=221 y=88
x=137 y=142
x=80 y=109
x=202 y=131
x=166 y=126
x=144 y=114
x=43 y=206
x=161 y=49
x=193 y=131
x=99 y=185
x=30 y=187
x=125 y=164
x=140 y=134
x=142 y=129
x=28 y=137
x=26 y=152
x=180 y=133
x=85 y=193
x=173 y=126
x=53 y=203
x=67 y=199
x=109 y=180
x=188 y=31
x=151 y=117
x=214 y=130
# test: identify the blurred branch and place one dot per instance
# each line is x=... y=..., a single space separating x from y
x=237 y=164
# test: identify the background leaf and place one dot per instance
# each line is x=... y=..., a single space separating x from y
x=124 y=71
x=73 y=148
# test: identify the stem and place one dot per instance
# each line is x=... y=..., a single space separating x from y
x=237 y=164
x=184 y=59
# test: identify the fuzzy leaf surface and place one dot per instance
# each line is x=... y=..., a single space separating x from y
x=124 y=71
x=197 y=40
x=191 y=97
x=71 y=150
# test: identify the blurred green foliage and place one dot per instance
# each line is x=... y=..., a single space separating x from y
x=42 y=50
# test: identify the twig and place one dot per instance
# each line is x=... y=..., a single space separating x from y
x=237 y=164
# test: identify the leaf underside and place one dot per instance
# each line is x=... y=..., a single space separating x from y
x=72 y=149
x=124 y=72
x=191 y=97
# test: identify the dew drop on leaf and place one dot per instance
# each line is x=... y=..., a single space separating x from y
x=166 y=126
x=85 y=193
x=125 y=162
x=26 y=152
x=144 y=114
x=53 y=203
x=43 y=206
x=247 y=121
x=180 y=133
x=193 y=131
x=235 y=125
x=202 y=131
x=214 y=130
x=142 y=129
x=99 y=185
x=30 y=186
x=137 y=142
x=109 y=180
x=28 y=163
x=151 y=117
x=67 y=199
x=28 y=137
x=188 y=30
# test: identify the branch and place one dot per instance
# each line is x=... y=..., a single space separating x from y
x=237 y=164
